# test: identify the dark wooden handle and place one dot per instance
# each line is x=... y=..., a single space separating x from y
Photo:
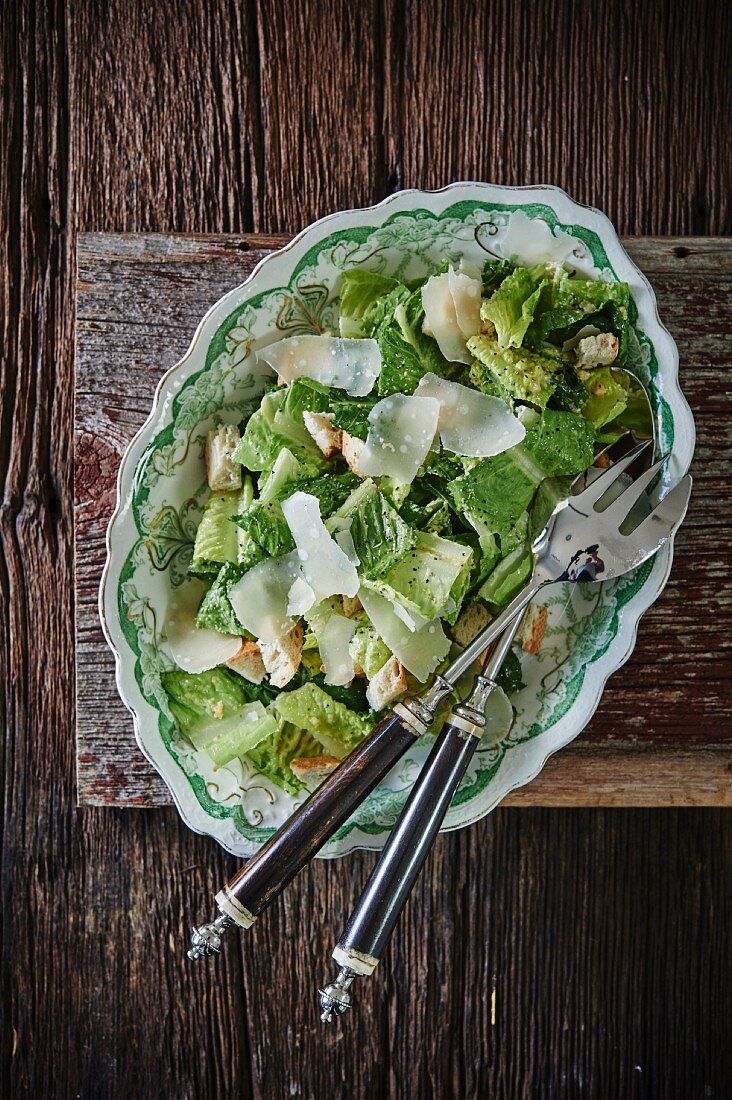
x=303 y=834
x=392 y=879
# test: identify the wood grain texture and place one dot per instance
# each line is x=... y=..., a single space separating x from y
x=603 y=933
x=138 y=303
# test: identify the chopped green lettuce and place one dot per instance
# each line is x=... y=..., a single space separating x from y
x=196 y=700
x=422 y=581
x=560 y=443
x=511 y=307
x=332 y=724
x=494 y=273
x=522 y=374
x=508 y=578
x=217 y=539
x=380 y=535
x=230 y=738
x=510 y=677
x=407 y=353
x=273 y=756
x=359 y=290
x=216 y=612
x=498 y=490
x=352 y=414
x=270 y=429
x=607 y=395
x=368 y=651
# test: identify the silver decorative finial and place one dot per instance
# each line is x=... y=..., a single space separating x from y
x=206 y=940
x=335 y=998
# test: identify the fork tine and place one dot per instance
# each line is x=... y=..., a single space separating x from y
x=621 y=507
x=599 y=486
x=664 y=519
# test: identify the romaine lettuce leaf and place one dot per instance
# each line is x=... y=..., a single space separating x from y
x=198 y=699
x=521 y=374
x=607 y=395
x=273 y=756
x=380 y=535
x=508 y=578
x=217 y=539
x=264 y=521
x=498 y=490
x=511 y=307
x=352 y=414
x=332 y=724
x=216 y=612
x=368 y=651
x=227 y=739
x=560 y=443
x=510 y=677
x=359 y=290
x=423 y=580
x=271 y=429
x=494 y=273
x=407 y=353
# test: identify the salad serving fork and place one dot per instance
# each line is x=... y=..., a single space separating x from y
x=599 y=533
x=261 y=880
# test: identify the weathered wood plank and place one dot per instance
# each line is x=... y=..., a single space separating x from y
x=137 y=304
x=602 y=933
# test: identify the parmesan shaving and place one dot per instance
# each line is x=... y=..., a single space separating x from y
x=471 y=423
x=401 y=430
x=261 y=598
x=420 y=651
x=333 y=642
x=192 y=649
x=350 y=365
x=323 y=564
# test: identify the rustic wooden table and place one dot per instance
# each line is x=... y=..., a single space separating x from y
x=547 y=952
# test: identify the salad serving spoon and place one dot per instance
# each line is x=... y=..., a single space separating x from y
x=596 y=535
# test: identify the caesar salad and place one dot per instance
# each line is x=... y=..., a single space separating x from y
x=377 y=508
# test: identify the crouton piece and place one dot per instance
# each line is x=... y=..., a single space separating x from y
x=387 y=685
x=351 y=448
x=222 y=472
x=282 y=658
x=531 y=632
x=248 y=662
x=470 y=622
x=351 y=606
x=327 y=437
x=312 y=770
x=597 y=351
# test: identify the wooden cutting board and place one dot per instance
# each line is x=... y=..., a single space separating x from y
x=662 y=735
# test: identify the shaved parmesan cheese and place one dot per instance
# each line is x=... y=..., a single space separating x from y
x=333 y=642
x=441 y=321
x=260 y=598
x=531 y=241
x=420 y=651
x=401 y=430
x=300 y=598
x=466 y=294
x=192 y=649
x=351 y=365
x=323 y=564
x=471 y=423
